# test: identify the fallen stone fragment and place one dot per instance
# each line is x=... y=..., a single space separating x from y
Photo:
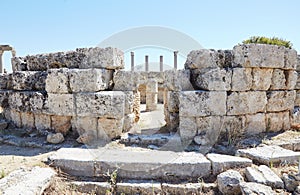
x=224 y=162
x=55 y=138
x=250 y=188
x=270 y=154
x=228 y=182
x=291 y=181
x=27 y=182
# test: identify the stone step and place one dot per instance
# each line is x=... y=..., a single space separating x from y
x=269 y=155
x=26 y=181
x=132 y=163
x=145 y=188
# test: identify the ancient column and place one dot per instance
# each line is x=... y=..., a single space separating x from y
x=175 y=59
x=151 y=95
x=132 y=61
x=161 y=63
x=146 y=63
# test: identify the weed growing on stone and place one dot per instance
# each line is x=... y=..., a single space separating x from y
x=2 y=174
x=269 y=41
x=112 y=180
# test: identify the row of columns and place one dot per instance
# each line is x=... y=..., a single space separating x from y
x=4 y=48
x=161 y=62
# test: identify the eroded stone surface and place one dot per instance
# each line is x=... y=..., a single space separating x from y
x=280 y=100
x=229 y=182
x=250 y=188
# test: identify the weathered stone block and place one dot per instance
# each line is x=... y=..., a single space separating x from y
x=298 y=63
x=109 y=104
x=27 y=101
x=60 y=104
x=259 y=56
x=262 y=78
x=229 y=182
x=55 y=138
x=221 y=163
x=85 y=125
x=16 y=117
x=27 y=119
x=297 y=98
x=202 y=103
x=58 y=81
x=4 y=98
x=212 y=79
x=284 y=79
x=29 y=80
x=255 y=124
x=251 y=102
x=208 y=131
x=129 y=121
x=248 y=188
x=18 y=64
x=89 y=80
x=178 y=80
x=187 y=129
x=110 y=128
x=280 y=100
x=5 y=81
x=241 y=79
x=106 y=58
x=42 y=122
x=126 y=80
x=202 y=59
x=61 y=124
x=290 y=59
x=278 y=121
x=234 y=125
x=173 y=101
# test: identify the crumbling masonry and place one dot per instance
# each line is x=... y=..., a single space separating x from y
x=251 y=89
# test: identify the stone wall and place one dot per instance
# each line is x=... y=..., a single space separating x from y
x=247 y=90
x=250 y=89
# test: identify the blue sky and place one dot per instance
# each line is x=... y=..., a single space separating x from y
x=35 y=26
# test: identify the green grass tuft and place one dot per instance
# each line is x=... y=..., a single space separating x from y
x=269 y=41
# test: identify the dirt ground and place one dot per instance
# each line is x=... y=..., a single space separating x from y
x=14 y=157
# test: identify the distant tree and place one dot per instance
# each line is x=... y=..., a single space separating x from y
x=269 y=41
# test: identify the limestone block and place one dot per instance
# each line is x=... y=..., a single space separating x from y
x=109 y=104
x=126 y=80
x=29 y=80
x=297 y=98
x=280 y=100
x=178 y=80
x=89 y=80
x=18 y=64
x=42 y=122
x=208 y=131
x=173 y=101
x=16 y=118
x=212 y=79
x=262 y=78
x=297 y=86
x=290 y=59
x=85 y=125
x=4 y=98
x=278 y=80
x=258 y=56
x=284 y=79
x=61 y=124
x=202 y=59
x=105 y=58
x=108 y=127
x=221 y=163
x=298 y=63
x=278 y=121
x=151 y=101
x=27 y=120
x=43 y=61
x=234 y=125
x=187 y=129
x=27 y=101
x=158 y=76
x=129 y=121
x=229 y=182
x=251 y=102
x=58 y=81
x=5 y=81
x=249 y=188
x=55 y=138
x=202 y=103
x=241 y=79
x=255 y=124
x=136 y=105
x=129 y=102
x=173 y=122
x=60 y=104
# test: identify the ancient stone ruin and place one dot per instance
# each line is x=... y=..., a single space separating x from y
x=248 y=90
